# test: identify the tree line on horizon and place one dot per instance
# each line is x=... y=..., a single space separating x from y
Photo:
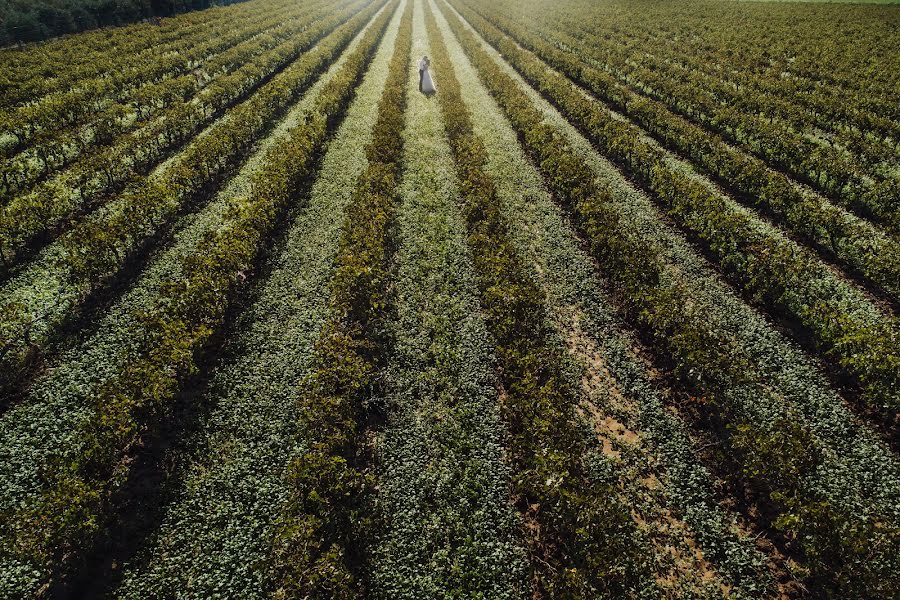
x=36 y=20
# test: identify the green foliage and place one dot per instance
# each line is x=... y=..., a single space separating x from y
x=175 y=330
x=98 y=246
x=583 y=541
x=711 y=360
x=772 y=270
x=81 y=129
x=27 y=21
x=838 y=551
x=324 y=531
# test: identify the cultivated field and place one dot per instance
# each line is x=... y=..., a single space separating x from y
x=612 y=314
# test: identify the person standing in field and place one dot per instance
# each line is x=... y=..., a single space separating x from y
x=426 y=85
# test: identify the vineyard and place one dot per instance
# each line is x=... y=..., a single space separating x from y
x=612 y=314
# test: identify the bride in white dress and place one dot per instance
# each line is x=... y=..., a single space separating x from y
x=426 y=85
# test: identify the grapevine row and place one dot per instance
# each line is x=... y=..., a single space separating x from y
x=584 y=541
x=324 y=530
x=623 y=391
x=93 y=76
x=821 y=97
x=445 y=525
x=68 y=517
x=761 y=431
x=719 y=104
x=852 y=182
x=97 y=248
x=71 y=106
x=38 y=214
x=26 y=76
x=854 y=242
x=773 y=271
x=59 y=144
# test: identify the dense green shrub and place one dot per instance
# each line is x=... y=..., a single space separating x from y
x=711 y=361
x=581 y=539
x=57 y=527
x=781 y=275
x=34 y=20
x=99 y=245
x=324 y=532
x=853 y=241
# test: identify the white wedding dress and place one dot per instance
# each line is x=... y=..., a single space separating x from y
x=427 y=84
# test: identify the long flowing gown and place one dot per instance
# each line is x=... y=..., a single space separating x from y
x=427 y=84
